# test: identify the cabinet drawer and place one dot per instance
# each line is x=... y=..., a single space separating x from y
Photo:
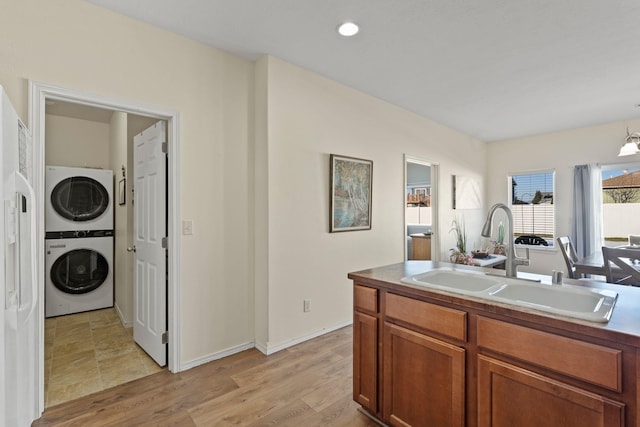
x=365 y=298
x=511 y=396
x=443 y=320
x=588 y=362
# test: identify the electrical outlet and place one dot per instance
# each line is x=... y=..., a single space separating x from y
x=307 y=306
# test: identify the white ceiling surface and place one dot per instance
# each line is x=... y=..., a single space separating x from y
x=493 y=69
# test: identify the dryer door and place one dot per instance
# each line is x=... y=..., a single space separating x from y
x=80 y=198
x=79 y=271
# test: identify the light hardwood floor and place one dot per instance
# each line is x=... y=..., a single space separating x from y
x=307 y=385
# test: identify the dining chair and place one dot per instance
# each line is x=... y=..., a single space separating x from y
x=621 y=265
x=569 y=255
x=634 y=240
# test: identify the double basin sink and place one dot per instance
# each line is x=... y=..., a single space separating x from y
x=586 y=304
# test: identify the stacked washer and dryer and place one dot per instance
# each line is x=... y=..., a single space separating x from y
x=79 y=240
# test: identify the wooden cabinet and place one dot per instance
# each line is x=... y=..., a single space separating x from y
x=587 y=362
x=365 y=361
x=421 y=246
x=420 y=366
x=509 y=394
x=423 y=380
x=512 y=396
x=419 y=361
x=365 y=348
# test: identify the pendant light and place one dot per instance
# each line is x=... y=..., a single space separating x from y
x=632 y=145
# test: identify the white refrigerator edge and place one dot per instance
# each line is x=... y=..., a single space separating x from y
x=18 y=279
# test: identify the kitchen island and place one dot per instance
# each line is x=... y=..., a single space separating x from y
x=426 y=357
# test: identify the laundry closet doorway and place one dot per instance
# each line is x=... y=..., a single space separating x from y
x=47 y=100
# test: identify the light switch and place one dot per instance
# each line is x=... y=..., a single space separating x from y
x=187 y=227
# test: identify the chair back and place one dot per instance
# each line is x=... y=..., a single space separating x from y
x=569 y=255
x=634 y=239
x=622 y=265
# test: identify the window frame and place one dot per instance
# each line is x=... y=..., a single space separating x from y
x=552 y=240
x=632 y=164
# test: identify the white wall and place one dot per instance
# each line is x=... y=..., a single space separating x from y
x=76 y=143
x=310 y=117
x=560 y=151
x=74 y=44
x=300 y=118
x=122 y=262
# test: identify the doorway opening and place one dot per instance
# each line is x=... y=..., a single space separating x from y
x=45 y=97
x=421 y=213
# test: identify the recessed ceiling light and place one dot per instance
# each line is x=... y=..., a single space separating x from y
x=348 y=29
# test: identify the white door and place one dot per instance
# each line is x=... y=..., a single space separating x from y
x=150 y=278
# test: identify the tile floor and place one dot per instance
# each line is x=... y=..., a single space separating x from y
x=89 y=352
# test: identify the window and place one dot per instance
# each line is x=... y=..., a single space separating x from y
x=533 y=209
x=620 y=202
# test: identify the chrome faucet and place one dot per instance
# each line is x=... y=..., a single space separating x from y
x=512 y=260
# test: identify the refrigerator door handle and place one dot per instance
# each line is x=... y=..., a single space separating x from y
x=23 y=188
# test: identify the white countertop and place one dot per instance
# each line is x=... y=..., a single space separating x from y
x=490 y=261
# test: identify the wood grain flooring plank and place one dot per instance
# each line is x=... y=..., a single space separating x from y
x=344 y=413
x=104 y=399
x=328 y=392
x=161 y=404
x=305 y=385
x=294 y=414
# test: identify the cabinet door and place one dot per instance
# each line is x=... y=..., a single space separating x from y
x=423 y=380
x=511 y=396
x=365 y=361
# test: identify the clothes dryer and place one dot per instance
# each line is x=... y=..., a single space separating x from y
x=78 y=199
x=79 y=272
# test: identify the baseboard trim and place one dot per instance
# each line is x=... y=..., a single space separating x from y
x=276 y=348
x=217 y=355
x=122 y=319
x=266 y=350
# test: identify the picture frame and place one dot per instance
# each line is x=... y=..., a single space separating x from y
x=351 y=193
x=122 y=192
x=466 y=192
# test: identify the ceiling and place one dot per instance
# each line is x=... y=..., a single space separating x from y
x=493 y=69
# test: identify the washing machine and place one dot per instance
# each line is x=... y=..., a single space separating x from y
x=79 y=271
x=78 y=199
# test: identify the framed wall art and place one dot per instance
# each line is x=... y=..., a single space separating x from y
x=466 y=192
x=351 y=190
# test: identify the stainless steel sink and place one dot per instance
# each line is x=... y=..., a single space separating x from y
x=581 y=303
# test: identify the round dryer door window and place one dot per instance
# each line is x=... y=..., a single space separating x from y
x=79 y=271
x=79 y=198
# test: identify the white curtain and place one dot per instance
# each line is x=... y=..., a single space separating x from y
x=586 y=230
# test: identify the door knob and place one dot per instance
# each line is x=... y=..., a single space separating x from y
x=131 y=249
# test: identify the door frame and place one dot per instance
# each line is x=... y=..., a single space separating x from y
x=39 y=93
x=435 y=187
